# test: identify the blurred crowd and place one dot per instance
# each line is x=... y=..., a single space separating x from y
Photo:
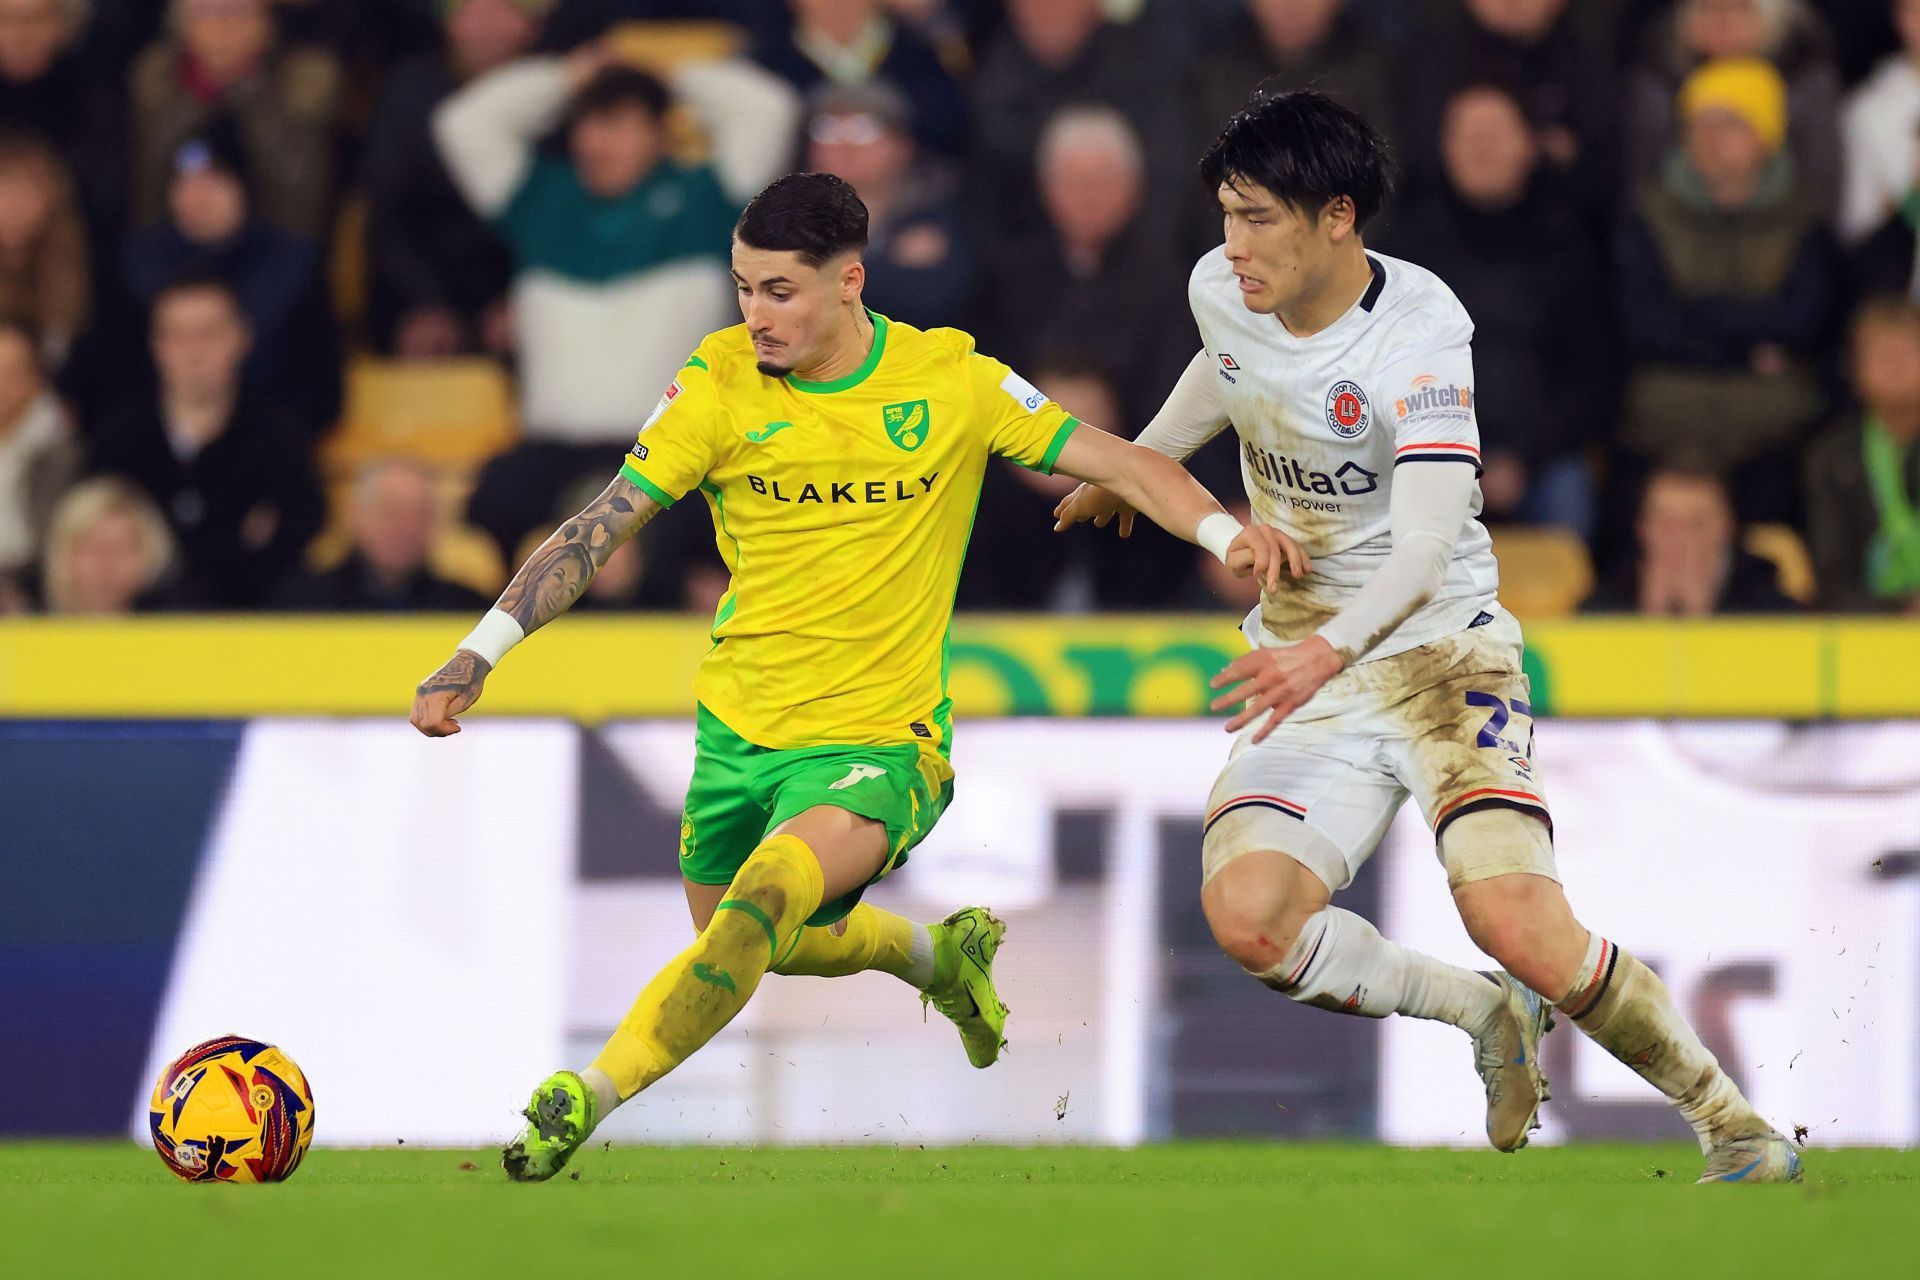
x=335 y=304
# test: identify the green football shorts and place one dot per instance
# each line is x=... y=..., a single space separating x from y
x=740 y=792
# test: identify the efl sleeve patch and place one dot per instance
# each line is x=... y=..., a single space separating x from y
x=1024 y=393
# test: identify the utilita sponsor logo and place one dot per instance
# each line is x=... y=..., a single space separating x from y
x=1283 y=472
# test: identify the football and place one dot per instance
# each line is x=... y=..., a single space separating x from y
x=232 y=1110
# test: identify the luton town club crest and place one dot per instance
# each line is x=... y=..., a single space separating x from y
x=907 y=424
x=1347 y=409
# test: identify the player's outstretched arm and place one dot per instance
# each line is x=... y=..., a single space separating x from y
x=1195 y=412
x=1430 y=502
x=549 y=582
x=1163 y=491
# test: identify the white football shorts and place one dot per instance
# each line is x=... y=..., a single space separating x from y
x=1448 y=723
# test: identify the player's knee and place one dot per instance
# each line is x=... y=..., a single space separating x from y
x=1255 y=919
x=781 y=881
x=1524 y=923
x=1508 y=940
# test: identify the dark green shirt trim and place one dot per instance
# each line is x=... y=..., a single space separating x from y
x=694 y=362
x=1059 y=442
x=645 y=485
x=859 y=375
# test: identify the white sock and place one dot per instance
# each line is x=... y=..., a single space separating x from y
x=920 y=958
x=1626 y=1010
x=605 y=1096
x=1341 y=962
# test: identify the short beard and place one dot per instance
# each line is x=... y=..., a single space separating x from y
x=771 y=370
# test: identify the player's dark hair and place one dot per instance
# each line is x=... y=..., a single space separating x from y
x=815 y=215
x=1306 y=149
x=617 y=87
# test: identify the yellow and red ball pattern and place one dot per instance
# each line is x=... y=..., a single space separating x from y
x=232 y=1110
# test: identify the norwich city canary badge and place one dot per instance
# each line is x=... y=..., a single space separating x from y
x=906 y=423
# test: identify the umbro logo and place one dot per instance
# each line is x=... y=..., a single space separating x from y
x=1228 y=367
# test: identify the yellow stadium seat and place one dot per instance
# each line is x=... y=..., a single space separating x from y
x=448 y=413
x=469 y=557
x=347 y=263
x=460 y=552
x=659 y=47
x=1781 y=545
x=1544 y=571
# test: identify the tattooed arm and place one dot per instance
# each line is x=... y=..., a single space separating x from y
x=546 y=586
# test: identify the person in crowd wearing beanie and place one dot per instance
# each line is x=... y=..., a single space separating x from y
x=1786 y=34
x=1727 y=290
x=620 y=250
x=920 y=259
x=438 y=275
x=1863 y=474
x=225 y=58
x=854 y=43
x=211 y=230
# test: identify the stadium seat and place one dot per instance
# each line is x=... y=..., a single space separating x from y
x=448 y=413
x=1781 y=545
x=347 y=263
x=460 y=553
x=469 y=557
x=661 y=46
x=1544 y=571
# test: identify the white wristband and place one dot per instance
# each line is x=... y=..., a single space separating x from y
x=1216 y=533
x=496 y=634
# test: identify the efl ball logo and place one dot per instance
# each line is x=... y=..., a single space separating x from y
x=1347 y=411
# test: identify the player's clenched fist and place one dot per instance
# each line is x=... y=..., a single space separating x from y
x=1261 y=551
x=447 y=692
x=1091 y=502
x=1279 y=681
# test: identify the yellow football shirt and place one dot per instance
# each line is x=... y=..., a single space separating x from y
x=842 y=510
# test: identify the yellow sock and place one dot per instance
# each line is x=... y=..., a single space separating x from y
x=871 y=939
x=701 y=989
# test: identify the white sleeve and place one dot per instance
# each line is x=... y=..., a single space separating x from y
x=487 y=131
x=1431 y=501
x=1195 y=412
x=750 y=115
x=1869 y=190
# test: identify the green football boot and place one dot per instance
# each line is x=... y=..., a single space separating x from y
x=963 y=948
x=559 y=1119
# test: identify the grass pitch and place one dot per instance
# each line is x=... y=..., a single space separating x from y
x=70 y=1209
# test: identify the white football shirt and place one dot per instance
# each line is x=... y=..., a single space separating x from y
x=1323 y=421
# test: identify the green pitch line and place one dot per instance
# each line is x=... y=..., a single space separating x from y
x=1171 y=1211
